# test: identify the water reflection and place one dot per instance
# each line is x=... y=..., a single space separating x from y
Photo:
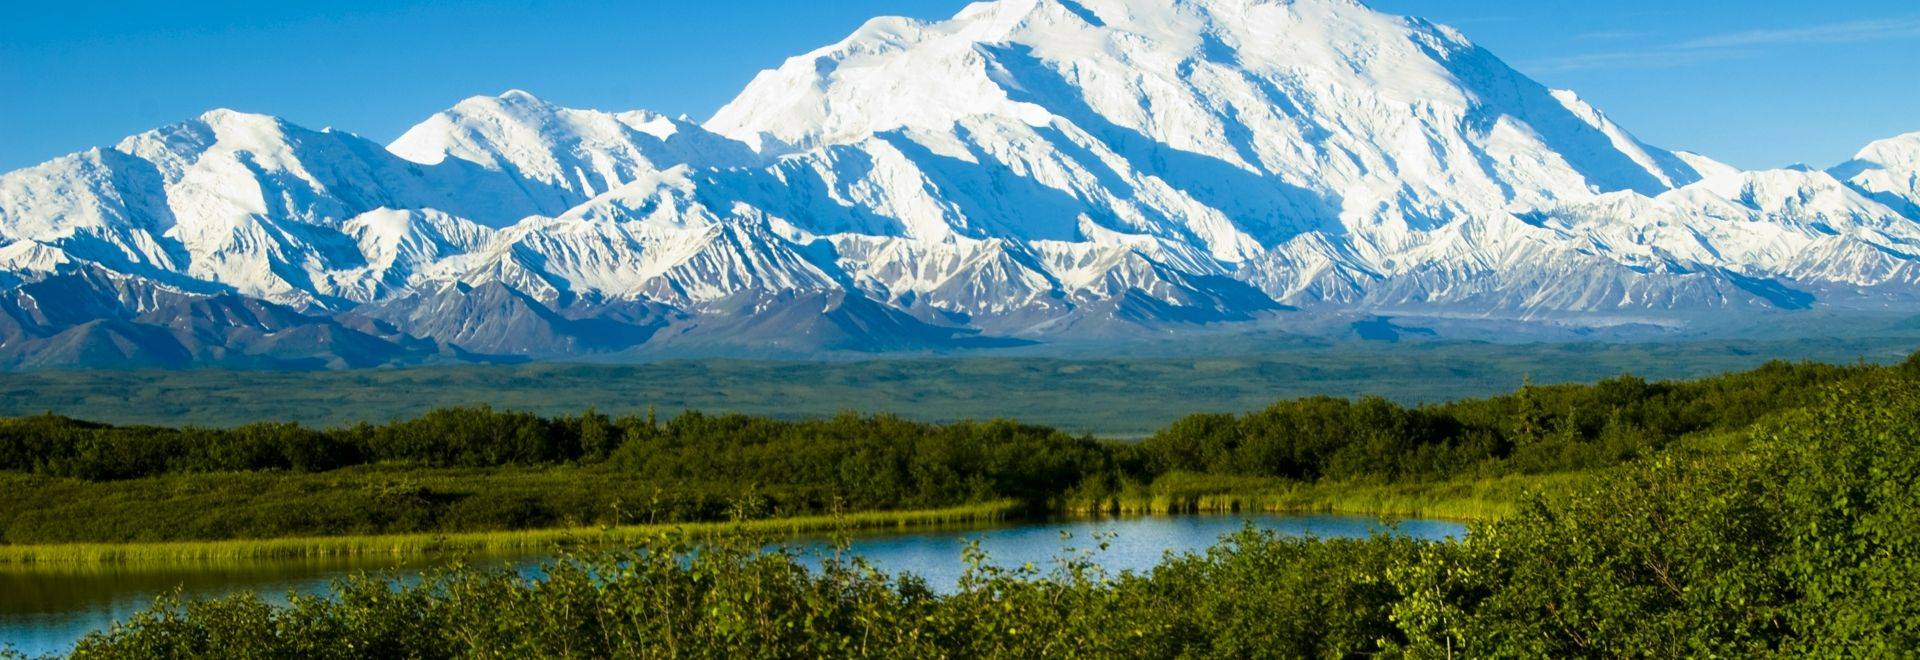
x=46 y=610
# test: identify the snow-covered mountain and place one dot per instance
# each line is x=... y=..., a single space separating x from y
x=1027 y=171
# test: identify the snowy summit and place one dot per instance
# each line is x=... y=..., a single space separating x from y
x=1027 y=171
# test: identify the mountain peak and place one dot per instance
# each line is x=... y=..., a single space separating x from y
x=512 y=100
x=1888 y=171
x=1897 y=149
x=178 y=146
x=565 y=155
x=932 y=74
x=1316 y=92
x=227 y=118
x=223 y=115
x=1031 y=168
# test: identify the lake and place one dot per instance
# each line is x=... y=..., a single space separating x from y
x=44 y=611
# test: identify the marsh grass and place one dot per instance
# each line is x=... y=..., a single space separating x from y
x=1465 y=500
x=413 y=545
x=1476 y=499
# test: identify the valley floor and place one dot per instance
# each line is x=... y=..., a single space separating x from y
x=1123 y=397
x=1604 y=514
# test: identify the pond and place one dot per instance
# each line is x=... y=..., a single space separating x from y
x=44 y=611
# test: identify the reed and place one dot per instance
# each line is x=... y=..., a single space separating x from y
x=1466 y=499
x=1480 y=499
x=410 y=545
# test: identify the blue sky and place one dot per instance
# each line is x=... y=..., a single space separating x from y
x=1757 y=83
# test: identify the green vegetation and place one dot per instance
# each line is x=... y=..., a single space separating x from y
x=477 y=470
x=1799 y=542
x=1096 y=393
x=480 y=471
x=1771 y=511
x=1479 y=498
x=469 y=543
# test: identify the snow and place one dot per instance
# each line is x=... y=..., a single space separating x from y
x=562 y=155
x=1888 y=170
x=1019 y=168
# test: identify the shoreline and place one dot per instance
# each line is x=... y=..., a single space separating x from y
x=1453 y=501
x=412 y=545
x=1460 y=500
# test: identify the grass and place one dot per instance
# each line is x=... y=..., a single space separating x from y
x=411 y=545
x=1475 y=499
x=1468 y=499
x=1174 y=494
x=1485 y=498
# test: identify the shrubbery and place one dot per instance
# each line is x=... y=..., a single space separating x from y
x=470 y=466
x=1536 y=429
x=1804 y=544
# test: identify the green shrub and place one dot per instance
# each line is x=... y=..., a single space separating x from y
x=1804 y=544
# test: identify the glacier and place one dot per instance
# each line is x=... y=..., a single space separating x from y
x=1026 y=172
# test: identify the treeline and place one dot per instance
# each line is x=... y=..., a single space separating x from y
x=1534 y=430
x=860 y=462
x=1803 y=544
x=888 y=461
x=466 y=437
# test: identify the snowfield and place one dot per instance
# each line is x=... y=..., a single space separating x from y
x=1027 y=171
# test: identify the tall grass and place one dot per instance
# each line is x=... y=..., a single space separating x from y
x=1175 y=494
x=410 y=545
x=1487 y=498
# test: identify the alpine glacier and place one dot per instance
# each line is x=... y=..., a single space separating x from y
x=1027 y=171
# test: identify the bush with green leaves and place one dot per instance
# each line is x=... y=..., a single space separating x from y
x=1807 y=543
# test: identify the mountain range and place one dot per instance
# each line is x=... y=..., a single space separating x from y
x=1028 y=172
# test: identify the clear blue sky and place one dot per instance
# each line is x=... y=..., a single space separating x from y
x=1756 y=83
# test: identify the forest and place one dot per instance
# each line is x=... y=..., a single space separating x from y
x=480 y=469
x=1775 y=512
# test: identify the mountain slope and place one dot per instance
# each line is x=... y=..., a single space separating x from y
x=1027 y=171
x=91 y=318
x=252 y=205
x=1888 y=171
x=563 y=156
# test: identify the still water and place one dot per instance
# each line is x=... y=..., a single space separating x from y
x=44 y=611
